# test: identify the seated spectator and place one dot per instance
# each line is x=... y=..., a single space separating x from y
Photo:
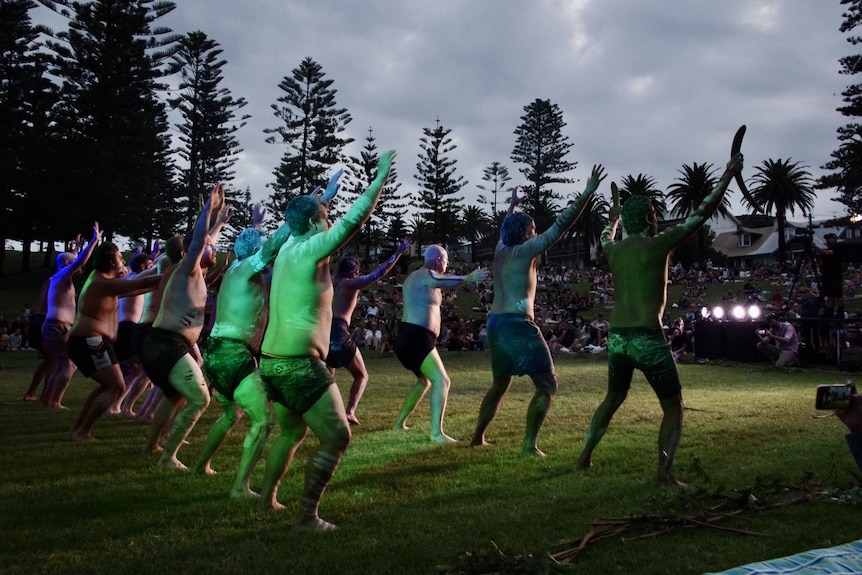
x=373 y=336
x=565 y=338
x=599 y=329
x=15 y=340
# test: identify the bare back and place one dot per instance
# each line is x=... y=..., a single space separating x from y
x=639 y=268
x=345 y=296
x=241 y=306
x=514 y=279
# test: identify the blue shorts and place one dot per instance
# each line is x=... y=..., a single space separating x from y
x=517 y=346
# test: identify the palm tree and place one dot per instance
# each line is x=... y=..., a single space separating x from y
x=643 y=185
x=418 y=228
x=687 y=193
x=475 y=225
x=782 y=186
x=589 y=226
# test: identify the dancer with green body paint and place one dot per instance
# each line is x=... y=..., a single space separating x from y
x=639 y=265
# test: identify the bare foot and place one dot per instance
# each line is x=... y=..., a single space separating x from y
x=316 y=524
x=82 y=437
x=479 y=442
x=129 y=413
x=30 y=397
x=273 y=505
x=671 y=481
x=145 y=419
x=400 y=426
x=244 y=493
x=532 y=451
x=352 y=420
x=153 y=449
x=584 y=462
x=171 y=463
x=58 y=407
x=442 y=438
x=206 y=470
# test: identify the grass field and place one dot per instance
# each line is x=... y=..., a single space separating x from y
x=407 y=506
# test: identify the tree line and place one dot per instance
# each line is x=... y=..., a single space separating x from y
x=85 y=136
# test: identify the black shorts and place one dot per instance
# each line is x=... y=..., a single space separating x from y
x=126 y=351
x=342 y=348
x=92 y=353
x=160 y=352
x=413 y=344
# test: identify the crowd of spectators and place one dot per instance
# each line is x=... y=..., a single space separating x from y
x=13 y=335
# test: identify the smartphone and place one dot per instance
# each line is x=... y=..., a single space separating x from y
x=835 y=396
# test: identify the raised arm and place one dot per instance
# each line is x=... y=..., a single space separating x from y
x=84 y=254
x=273 y=244
x=361 y=208
x=331 y=188
x=570 y=215
x=675 y=235
x=610 y=231
x=221 y=218
x=514 y=200
x=360 y=282
x=192 y=259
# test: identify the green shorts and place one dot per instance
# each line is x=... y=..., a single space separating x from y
x=646 y=349
x=295 y=382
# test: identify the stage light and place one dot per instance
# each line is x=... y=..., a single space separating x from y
x=738 y=312
x=718 y=312
x=704 y=312
x=754 y=312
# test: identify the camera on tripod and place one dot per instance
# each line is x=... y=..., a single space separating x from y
x=806 y=233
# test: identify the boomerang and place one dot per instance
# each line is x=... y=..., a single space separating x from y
x=734 y=149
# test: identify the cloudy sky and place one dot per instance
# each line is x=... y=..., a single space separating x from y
x=644 y=86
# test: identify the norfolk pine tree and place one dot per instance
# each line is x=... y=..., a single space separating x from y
x=110 y=62
x=542 y=147
x=209 y=121
x=439 y=203
x=391 y=204
x=846 y=161
x=27 y=145
x=311 y=124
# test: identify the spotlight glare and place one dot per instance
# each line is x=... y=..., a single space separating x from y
x=718 y=312
x=738 y=312
x=754 y=312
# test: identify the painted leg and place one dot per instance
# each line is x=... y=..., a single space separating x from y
x=490 y=406
x=414 y=396
x=668 y=438
x=598 y=426
x=292 y=431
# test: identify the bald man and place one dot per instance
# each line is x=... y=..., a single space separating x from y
x=415 y=344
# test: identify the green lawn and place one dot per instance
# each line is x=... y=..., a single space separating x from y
x=407 y=506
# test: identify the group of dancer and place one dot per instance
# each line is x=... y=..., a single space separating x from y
x=281 y=329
